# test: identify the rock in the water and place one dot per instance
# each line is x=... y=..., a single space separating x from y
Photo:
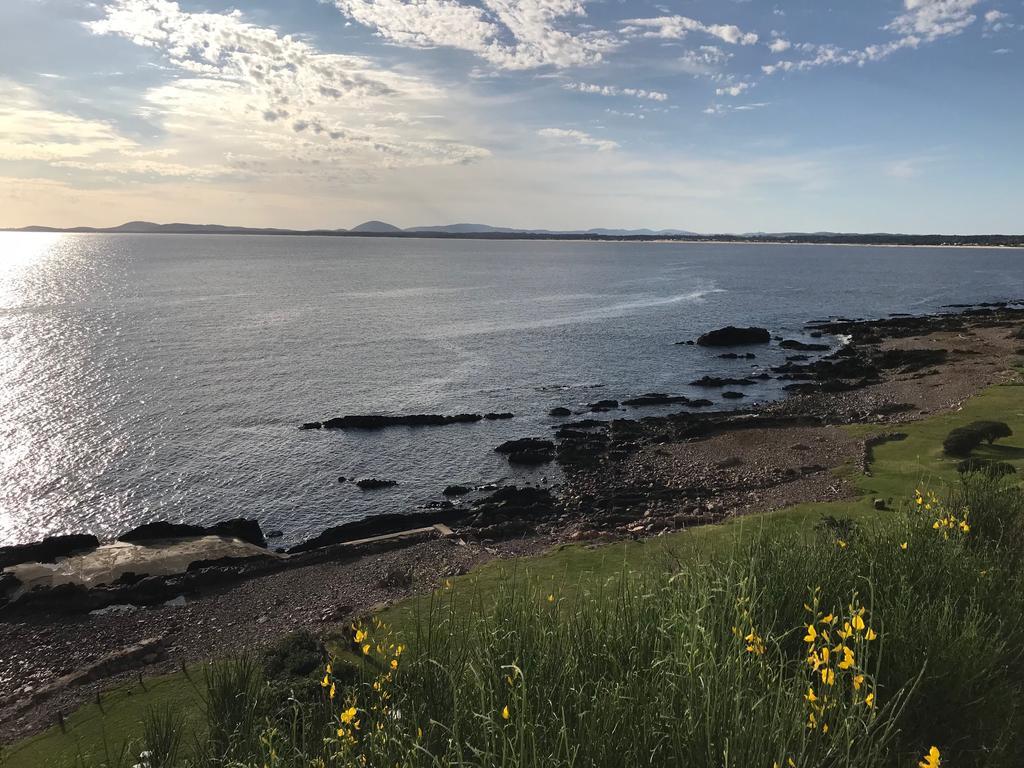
x=457 y=490
x=372 y=484
x=499 y=416
x=376 y=421
x=803 y=346
x=238 y=528
x=47 y=550
x=528 y=450
x=733 y=395
x=604 y=405
x=656 y=398
x=736 y=356
x=731 y=336
x=718 y=381
x=560 y=412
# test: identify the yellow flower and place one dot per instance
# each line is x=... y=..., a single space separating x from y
x=828 y=676
x=551 y=598
x=848 y=658
x=366 y=650
x=830 y=619
x=932 y=759
x=505 y=713
x=325 y=682
x=333 y=691
x=824 y=727
x=361 y=635
x=870 y=700
x=870 y=634
x=841 y=543
x=904 y=546
x=812 y=634
x=399 y=650
x=419 y=733
x=858 y=623
x=858 y=681
x=810 y=695
x=394 y=663
x=348 y=715
x=330 y=669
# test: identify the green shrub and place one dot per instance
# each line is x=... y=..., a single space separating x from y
x=961 y=441
x=296 y=654
x=990 y=431
x=989 y=467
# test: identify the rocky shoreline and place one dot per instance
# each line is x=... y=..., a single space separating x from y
x=624 y=477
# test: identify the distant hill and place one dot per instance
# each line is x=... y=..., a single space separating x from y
x=463 y=229
x=375 y=226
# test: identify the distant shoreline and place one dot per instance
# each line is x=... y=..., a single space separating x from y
x=878 y=240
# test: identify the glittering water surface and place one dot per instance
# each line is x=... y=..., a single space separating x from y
x=163 y=377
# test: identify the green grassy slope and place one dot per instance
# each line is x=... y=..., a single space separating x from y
x=898 y=468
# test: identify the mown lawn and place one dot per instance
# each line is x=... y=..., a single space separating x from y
x=898 y=468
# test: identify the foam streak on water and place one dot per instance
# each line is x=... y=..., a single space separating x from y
x=163 y=377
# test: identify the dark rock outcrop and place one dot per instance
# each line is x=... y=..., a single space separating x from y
x=603 y=405
x=803 y=346
x=457 y=490
x=733 y=395
x=737 y=356
x=560 y=412
x=373 y=483
x=656 y=398
x=377 y=421
x=47 y=550
x=731 y=336
x=499 y=416
x=238 y=528
x=718 y=381
x=528 y=450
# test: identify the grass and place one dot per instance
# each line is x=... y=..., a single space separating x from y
x=578 y=573
x=100 y=729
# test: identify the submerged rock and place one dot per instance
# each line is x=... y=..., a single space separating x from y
x=560 y=412
x=603 y=405
x=731 y=336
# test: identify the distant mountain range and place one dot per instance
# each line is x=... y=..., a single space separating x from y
x=372 y=227
x=484 y=231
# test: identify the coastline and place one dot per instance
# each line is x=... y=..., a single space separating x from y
x=632 y=478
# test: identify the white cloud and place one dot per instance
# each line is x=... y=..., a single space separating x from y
x=778 y=45
x=923 y=21
x=30 y=131
x=932 y=19
x=510 y=34
x=572 y=136
x=733 y=90
x=248 y=89
x=705 y=61
x=612 y=90
x=677 y=27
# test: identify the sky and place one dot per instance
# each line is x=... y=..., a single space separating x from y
x=706 y=115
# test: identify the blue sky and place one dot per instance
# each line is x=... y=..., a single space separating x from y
x=883 y=115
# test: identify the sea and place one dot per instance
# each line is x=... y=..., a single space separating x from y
x=165 y=377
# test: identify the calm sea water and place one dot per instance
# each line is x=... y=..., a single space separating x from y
x=164 y=377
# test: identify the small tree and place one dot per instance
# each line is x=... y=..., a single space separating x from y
x=991 y=431
x=961 y=441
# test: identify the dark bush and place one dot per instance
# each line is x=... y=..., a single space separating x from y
x=961 y=441
x=990 y=467
x=990 y=431
x=297 y=654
